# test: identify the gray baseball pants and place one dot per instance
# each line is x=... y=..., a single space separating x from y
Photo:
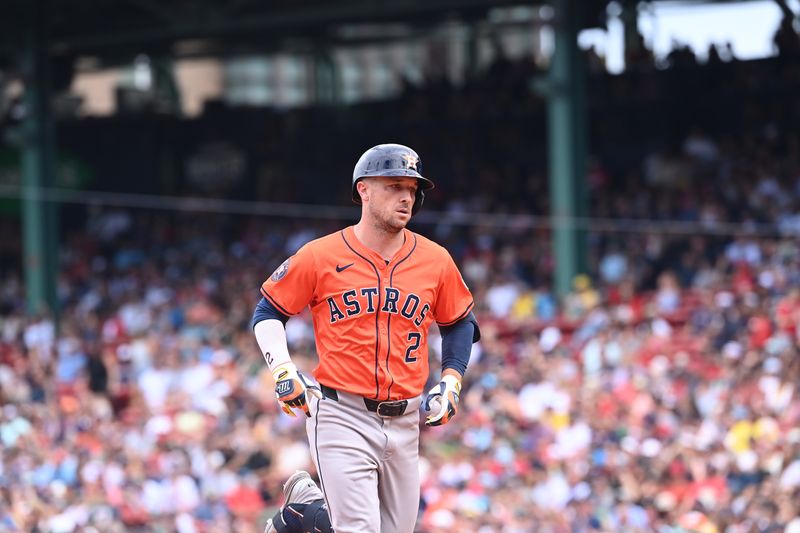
x=368 y=465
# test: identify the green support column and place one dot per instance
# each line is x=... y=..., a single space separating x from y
x=326 y=79
x=567 y=147
x=472 y=52
x=165 y=86
x=630 y=21
x=38 y=169
x=581 y=141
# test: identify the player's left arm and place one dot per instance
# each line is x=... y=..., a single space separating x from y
x=459 y=329
x=457 y=341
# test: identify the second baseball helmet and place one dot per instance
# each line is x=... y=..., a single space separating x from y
x=390 y=160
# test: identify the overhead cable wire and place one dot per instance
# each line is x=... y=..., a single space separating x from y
x=334 y=212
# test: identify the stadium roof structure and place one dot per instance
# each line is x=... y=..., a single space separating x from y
x=40 y=41
x=112 y=30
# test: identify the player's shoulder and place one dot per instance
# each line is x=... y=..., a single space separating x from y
x=427 y=246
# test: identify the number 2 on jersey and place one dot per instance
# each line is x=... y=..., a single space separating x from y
x=414 y=339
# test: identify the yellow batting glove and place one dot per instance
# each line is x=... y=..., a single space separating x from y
x=291 y=388
x=443 y=401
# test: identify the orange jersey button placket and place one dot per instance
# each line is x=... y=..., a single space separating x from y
x=383 y=329
x=385 y=379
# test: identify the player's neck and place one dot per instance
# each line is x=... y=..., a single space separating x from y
x=384 y=243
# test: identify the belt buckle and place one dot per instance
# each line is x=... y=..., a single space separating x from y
x=392 y=408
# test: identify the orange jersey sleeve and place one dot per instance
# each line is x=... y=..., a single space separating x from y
x=453 y=298
x=291 y=287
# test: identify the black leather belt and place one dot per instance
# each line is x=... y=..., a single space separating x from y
x=387 y=408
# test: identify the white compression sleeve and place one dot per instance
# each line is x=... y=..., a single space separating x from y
x=271 y=338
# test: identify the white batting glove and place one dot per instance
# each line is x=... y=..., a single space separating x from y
x=292 y=387
x=443 y=401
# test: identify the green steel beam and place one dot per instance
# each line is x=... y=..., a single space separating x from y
x=326 y=79
x=567 y=147
x=38 y=168
x=166 y=87
x=472 y=45
x=630 y=21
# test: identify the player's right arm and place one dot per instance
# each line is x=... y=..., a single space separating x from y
x=287 y=292
x=291 y=386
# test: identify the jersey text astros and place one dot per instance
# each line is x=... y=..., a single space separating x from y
x=371 y=316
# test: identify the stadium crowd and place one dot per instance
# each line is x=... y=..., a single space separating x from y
x=659 y=395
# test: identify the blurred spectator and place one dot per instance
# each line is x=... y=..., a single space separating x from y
x=660 y=393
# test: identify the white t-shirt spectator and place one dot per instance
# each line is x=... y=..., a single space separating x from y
x=156 y=497
x=534 y=398
x=573 y=440
x=790 y=479
x=41 y=336
x=185 y=494
x=194 y=379
x=155 y=384
x=553 y=493
x=136 y=317
x=500 y=298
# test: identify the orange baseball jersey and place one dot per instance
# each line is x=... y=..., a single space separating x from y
x=371 y=318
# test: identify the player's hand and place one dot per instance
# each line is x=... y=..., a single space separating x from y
x=292 y=387
x=443 y=401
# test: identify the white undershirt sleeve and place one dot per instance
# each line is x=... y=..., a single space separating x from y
x=271 y=338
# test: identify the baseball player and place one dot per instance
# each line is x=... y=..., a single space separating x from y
x=373 y=289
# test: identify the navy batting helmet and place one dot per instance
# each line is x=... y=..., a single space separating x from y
x=392 y=160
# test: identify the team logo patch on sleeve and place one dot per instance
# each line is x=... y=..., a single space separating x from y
x=280 y=271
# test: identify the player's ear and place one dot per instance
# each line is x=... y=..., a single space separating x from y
x=363 y=189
